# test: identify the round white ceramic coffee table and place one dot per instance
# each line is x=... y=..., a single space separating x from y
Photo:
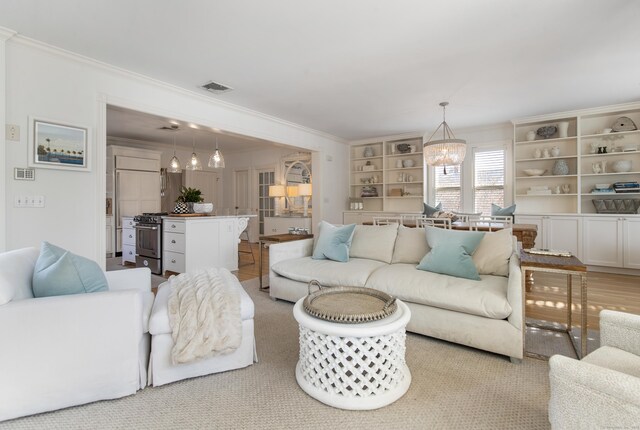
x=353 y=366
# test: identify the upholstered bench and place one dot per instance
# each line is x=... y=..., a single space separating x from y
x=161 y=369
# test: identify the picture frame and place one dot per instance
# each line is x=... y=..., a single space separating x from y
x=57 y=145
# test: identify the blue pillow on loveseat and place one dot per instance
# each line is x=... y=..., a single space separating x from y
x=59 y=272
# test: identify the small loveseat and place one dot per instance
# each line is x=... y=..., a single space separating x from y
x=487 y=314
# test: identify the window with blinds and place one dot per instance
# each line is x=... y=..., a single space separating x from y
x=447 y=187
x=488 y=180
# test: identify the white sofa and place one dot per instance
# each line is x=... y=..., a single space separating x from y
x=69 y=350
x=162 y=371
x=485 y=314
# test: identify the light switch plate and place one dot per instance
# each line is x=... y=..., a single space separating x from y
x=12 y=132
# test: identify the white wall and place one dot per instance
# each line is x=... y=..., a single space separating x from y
x=52 y=84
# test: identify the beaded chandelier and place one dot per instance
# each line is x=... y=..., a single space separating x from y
x=447 y=151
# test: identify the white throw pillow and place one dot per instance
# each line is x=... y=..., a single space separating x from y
x=411 y=245
x=374 y=242
x=492 y=255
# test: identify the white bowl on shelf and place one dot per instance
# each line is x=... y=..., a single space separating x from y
x=601 y=186
x=534 y=172
x=621 y=166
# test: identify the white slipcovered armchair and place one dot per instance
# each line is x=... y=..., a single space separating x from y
x=602 y=390
x=69 y=350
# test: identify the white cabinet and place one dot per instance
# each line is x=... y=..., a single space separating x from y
x=190 y=244
x=556 y=232
x=133 y=182
x=128 y=240
x=388 y=175
x=612 y=241
x=281 y=225
x=631 y=242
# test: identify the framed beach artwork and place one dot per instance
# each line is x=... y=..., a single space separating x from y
x=54 y=145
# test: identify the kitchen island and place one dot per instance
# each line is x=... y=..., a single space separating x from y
x=197 y=242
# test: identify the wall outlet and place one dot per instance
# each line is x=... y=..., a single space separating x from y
x=28 y=201
x=12 y=132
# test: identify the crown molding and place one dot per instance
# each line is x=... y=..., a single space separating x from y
x=408 y=135
x=578 y=112
x=60 y=52
x=6 y=33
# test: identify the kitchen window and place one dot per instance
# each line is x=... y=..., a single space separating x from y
x=488 y=179
x=447 y=187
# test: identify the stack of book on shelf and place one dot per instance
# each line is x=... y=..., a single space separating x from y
x=602 y=189
x=626 y=187
x=539 y=190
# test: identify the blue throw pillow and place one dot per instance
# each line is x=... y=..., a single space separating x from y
x=451 y=252
x=498 y=211
x=59 y=272
x=429 y=211
x=333 y=242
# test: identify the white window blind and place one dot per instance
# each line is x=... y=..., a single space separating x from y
x=488 y=180
x=447 y=187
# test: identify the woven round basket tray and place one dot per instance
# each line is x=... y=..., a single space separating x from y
x=351 y=305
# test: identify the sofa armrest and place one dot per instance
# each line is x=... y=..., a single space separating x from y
x=288 y=250
x=620 y=330
x=515 y=293
x=586 y=395
x=129 y=279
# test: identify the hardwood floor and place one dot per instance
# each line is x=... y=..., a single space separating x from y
x=547 y=298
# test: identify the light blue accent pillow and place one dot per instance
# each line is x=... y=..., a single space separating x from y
x=58 y=272
x=498 y=211
x=430 y=210
x=333 y=242
x=451 y=252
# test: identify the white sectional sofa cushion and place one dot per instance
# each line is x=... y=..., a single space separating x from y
x=411 y=245
x=493 y=253
x=443 y=291
x=329 y=273
x=374 y=242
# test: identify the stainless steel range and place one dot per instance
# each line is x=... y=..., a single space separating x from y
x=149 y=241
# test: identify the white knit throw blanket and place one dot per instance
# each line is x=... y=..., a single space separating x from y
x=204 y=314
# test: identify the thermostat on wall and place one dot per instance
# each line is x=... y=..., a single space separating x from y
x=24 y=174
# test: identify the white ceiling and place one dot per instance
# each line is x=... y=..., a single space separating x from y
x=139 y=126
x=362 y=68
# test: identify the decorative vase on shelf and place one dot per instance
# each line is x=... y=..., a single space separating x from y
x=560 y=167
x=545 y=153
x=537 y=153
x=555 y=151
x=531 y=135
x=368 y=151
x=563 y=128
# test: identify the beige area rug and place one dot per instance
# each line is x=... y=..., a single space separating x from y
x=453 y=387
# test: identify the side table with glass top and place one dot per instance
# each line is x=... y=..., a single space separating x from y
x=276 y=238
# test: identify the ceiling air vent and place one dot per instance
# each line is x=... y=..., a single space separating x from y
x=215 y=87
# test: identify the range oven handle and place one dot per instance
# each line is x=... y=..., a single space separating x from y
x=144 y=227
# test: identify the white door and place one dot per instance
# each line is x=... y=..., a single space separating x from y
x=602 y=241
x=631 y=241
x=207 y=182
x=266 y=204
x=243 y=201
